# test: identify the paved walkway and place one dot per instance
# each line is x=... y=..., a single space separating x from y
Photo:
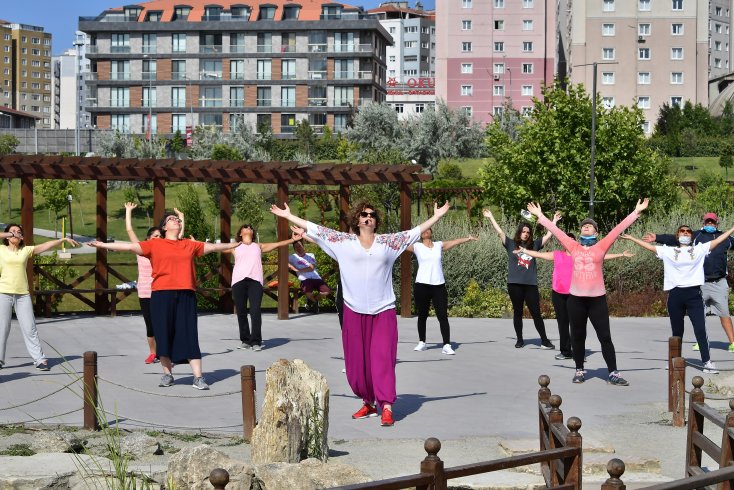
x=471 y=401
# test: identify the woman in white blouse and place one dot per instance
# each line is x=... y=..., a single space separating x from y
x=430 y=286
x=370 y=330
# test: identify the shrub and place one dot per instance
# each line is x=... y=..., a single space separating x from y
x=482 y=303
x=60 y=270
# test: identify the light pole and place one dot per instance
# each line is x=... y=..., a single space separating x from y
x=150 y=96
x=78 y=43
x=68 y=211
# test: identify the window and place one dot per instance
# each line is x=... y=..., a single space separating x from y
x=210 y=119
x=399 y=108
x=498 y=68
x=466 y=25
x=267 y=13
x=717 y=62
x=149 y=96
x=149 y=69
x=527 y=68
x=497 y=111
x=264 y=69
x=643 y=78
x=467 y=68
x=237 y=69
x=466 y=47
x=607 y=29
x=316 y=95
x=718 y=11
x=607 y=53
x=178 y=70
x=643 y=5
x=646 y=127
x=153 y=16
x=119 y=70
x=498 y=90
x=211 y=96
x=643 y=53
x=331 y=12
x=211 y=69
x=676 y=101
x=288 y=96
x=466 y=4
x=264 y=122
x=607 y=102
x=499 y=4
x=608 y=6
x=150 y=43
x=499 y=46
x=499 y=25
x=410 y=29
x=288 y=70
x=317 y=68
x=677 y=4
x=527 y=90
x=527 y=4
x=607 y=78
x=288 y=42
x=392 y=58
x=178 y=96
x=340 y=122
x=120 y=122
x=676 y=78
x=343 y=96
x=717 y=28
x=120 y=43
x=643 y=102
x=467 y=90
x=290 y=12
x=181 y=13
x=527 y=25
x=676 y=53
x=344 y=68
x=179 y=43
x=420 y=108
x=467 y=110
x=717 y=46
x=344 y=42
x=410 y=44
x=527 y=46
x=264 y=97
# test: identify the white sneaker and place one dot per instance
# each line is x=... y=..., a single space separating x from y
x=710 y=368
x=421 y=346
x=447 y=350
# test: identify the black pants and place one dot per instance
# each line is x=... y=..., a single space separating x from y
x=339 y=301
x=560 y=305
x=242 y=292
x=145 y=308
x=581 y=309
x=526 y=294
x=424 y=294
x=682 y=300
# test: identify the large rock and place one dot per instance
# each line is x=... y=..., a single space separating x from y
x=56 y=442
x=50 y=470
x=139 y=445
x=722 y=385
x=190 y=469
x=294 y=421
x=310 y=474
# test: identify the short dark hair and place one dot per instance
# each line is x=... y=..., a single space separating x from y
x=165 y=217
x=152 y=230
x=353 y=217
x=7 y=229
x=238 y=238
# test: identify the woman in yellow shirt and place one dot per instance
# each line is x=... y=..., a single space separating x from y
x=15 y=294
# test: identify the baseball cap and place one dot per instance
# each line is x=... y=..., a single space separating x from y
x=710 y=217
x=589 y=221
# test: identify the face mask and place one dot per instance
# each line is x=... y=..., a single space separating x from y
x=684 y=239
x=709 y=229
x=587 y=241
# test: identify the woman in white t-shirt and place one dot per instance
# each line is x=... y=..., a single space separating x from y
x=683 y=277
x=430 y=286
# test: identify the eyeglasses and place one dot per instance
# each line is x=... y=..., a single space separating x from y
x=247 y=226
x=685 y=230
x=365 y=214
x=173 y=218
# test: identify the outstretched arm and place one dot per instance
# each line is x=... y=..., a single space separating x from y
x=218 y=247
x=555 y=220
x=724 y=236
x=452 y=243
x=639 y=242
x=567 y=242
x=269 y=247
x=39 y=249
x=181 y=217
x=286 y=213
x=488 y=214
x=626 y=253
x=117 y=246
x=438 y=213
x=129 y=206
x=535 y=253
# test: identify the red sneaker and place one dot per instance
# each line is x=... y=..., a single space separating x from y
x=387 y=420
x=367 y=410
x=150 y=359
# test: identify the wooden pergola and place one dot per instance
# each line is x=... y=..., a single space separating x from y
x=226 y=173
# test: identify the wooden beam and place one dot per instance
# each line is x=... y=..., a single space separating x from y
x=26 y=220
x=101 y=300
x=225 y=264
x=406 y=265
x=344 y=195
x=159 y=200
x=282 y=229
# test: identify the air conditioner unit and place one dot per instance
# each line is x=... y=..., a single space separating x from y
x=496 y=78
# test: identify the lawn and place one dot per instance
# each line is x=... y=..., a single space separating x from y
x=690 y=168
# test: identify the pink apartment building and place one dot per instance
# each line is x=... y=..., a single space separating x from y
x=492 y=51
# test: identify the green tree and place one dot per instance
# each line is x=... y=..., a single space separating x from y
x=222 y=151
x=178 y=143
x=549 y=161
x=249 y=206
x=713 y=194
x=54 y=192
x=8 y=144
x=305 y=137
x=377 y=135
x=725 y=159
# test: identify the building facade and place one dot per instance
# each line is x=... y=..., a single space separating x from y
x=494 y=52
x=211 y=62
x=26 y=70
x=411 y=60
x=69 y=94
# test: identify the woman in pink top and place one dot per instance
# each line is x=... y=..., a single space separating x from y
x=247 y=283
x=588 y=300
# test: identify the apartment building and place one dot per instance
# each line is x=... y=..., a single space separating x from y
x=69 y=93
x=25 y=70
x=169 y=65
x=490 y=52
x=411 y=60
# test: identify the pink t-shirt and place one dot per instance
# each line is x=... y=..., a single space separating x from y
x=145 y=277
x=588 y=279
x=562 y=272
x=247 y=263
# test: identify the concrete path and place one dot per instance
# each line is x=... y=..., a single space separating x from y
x=483 y=396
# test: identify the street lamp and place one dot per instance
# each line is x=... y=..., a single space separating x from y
x=68 y=211
x=150 y=96
x=78 y=43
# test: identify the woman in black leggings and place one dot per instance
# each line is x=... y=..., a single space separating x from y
x=522 y=277
x=430 y=286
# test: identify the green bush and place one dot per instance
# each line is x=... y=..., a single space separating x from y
x=60 y=270
x=482 y=303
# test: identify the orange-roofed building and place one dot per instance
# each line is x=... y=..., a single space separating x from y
x=173 y=64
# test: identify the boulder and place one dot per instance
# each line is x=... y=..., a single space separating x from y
x=722 y=385
x=139 y=445
x=294 y=420
x=56 y=442
x=49 y=470
x=190 y=469
x=310 y=474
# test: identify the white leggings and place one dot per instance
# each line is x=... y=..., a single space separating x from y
x=24 y=311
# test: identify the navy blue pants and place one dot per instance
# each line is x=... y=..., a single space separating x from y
x=173 y=313
x=249 y=291
x=690 y=300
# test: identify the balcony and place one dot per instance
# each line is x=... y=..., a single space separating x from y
x=178 y=75
x=264 y=76
x=91 y=75
x=317 y=75
x=149 y=75
x=92 y=49
x=149 y=49
x=288 y=103
x=287 y=129
x=237 y=103
x=352 y=48
x=210 y=102
x=341 y=75
x=120 y=76
x=288 y=76
x=237 y=48
x=264 y=102
x=210 y=75
x=119 y=49
x=178 y=102
x=119 y=103
x=264 y=48
x=288 y=48
x=237 y=76
x=317 y=102
x=317 y=48
x=210 y=48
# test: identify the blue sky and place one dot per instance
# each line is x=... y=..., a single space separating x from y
x=61 y=17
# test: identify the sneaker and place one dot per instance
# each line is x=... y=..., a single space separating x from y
x=387 y=420
x=547 y=344
x=166 y=380
x=447 y=350
x=366 y=411
x=579 y=376
x=731 y=347
x=43 y=366
x=151 y=358
x=257 y=348
x=710 y=368
x=200 y=384
x=519 y=344
x=617 y=380
x=420 y=347
x=344 y=370
x=697 y=348
x=563 y=357
x=2 y=363
x=244 y=345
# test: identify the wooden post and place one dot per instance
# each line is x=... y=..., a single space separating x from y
x=406 y=264
x=226 y=304
x=282 y=233
x=674 y=350
x=159 y=200
x=555 y=416
x=677 y=391
x=727 y=446
x=573 y=466
x=432 y=464
x=544 y=394
x=26 y=220
x=219 y=478
x=695 y=424
x=91 y=420
x=615 y=468
x=247 y=383
x=101 y=299
x=344 y=194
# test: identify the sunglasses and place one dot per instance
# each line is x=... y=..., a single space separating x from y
x=685 y=230
x=247 y=227
x=365 y=214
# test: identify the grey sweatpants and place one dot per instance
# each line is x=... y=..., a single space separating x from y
x=23 y=307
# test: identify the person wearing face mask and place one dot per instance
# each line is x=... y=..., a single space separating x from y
x=684 y=275
x=715 y=289
x=588 y=300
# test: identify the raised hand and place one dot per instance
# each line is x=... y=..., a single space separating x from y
x=179 y=214
x=283 y=213
x=649 y=237
x=298 y=230
x=442 y=210
x=556 y=217
x=487 y=213
x=130 y=206
x=642 y=205
x=534 y=209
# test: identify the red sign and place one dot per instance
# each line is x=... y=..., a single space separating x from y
x=411 y=86
x=189 y=134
